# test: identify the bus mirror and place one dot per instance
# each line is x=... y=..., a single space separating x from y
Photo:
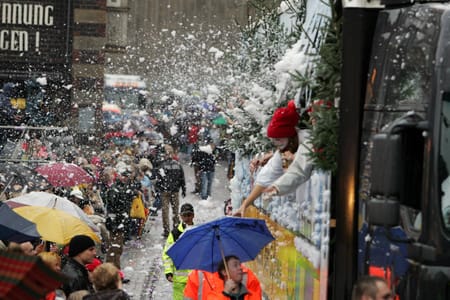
x=383 y=212
x=421 y=252
x=386 y=165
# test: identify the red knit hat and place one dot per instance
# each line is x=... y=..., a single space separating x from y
x=283 y=122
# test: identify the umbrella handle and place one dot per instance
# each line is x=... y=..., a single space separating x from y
x=223 y=258
x=8 y=185
x=3 y=191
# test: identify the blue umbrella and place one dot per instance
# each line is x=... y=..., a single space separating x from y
x=204 y=246
x=15 y=228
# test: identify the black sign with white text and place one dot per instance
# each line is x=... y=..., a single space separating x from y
x=34 y=35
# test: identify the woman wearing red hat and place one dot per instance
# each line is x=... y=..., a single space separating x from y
x=288 y=167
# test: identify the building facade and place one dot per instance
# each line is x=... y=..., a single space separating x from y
x=67 y=46
x=168 y=42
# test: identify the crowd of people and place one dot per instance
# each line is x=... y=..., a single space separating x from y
x=154 y=175
x=144 y=170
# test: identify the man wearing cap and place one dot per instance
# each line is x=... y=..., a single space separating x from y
x=81 y=252
x=76 y=195
x=289 y=166
x=177 y=277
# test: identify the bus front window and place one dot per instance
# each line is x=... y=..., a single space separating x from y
x=126 y=98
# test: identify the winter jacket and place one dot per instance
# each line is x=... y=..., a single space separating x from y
x=108 y=295
x=286 y=180
x=204 y=160
x=118 y=204
x=78 y=277
x=203 y=285
x=179 y=277
x=170 y=177
x=7 y=111
x=193 y=134
x=271 y=171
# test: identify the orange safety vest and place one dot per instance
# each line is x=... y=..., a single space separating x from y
x=203 y=285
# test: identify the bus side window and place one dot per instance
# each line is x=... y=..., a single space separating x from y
x=444 y=160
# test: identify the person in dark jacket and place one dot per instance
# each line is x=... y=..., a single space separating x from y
x=169 y=180
x=81 y=252
x=107 y=284
x=195 y=164
x=118 y=204
x=205 y=161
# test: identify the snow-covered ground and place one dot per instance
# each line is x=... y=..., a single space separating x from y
x=141 y=261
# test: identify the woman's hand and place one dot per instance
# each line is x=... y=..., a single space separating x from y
x=271 y=191
x=254 y=164
x=259 y=161
x=239 y=212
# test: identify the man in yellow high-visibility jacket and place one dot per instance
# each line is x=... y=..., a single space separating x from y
x=177 y=277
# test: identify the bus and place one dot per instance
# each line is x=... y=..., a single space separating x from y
x=390 y=195
x=124 y=107
x=129 y=92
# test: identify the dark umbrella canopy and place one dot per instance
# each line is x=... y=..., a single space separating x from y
x=15 y=228
x=17 y=177
x=24 y=277
x=204 y=246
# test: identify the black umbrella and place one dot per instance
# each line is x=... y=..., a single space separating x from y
x=15 y=228
x=16 y=177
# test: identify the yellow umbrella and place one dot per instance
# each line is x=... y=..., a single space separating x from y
x=55 y=225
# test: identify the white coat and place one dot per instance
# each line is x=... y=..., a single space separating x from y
x=273 y=174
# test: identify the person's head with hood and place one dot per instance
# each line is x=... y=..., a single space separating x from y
x=282 y=128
